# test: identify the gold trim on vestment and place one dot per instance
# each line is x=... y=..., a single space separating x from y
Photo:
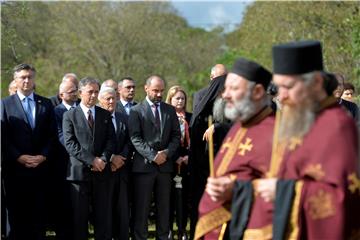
x=278 y=149
x=258 y=117
x=211 y=221
x=231 y=151
x=222 y=232
x=354 y=183
x=293 y=227
x=233 y=145
x=264 y=233
x=320 y=205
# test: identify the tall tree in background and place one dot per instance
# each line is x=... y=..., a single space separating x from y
x=104 y=40
x=335 y=24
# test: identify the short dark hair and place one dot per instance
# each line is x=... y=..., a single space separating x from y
x=88 y=80
x=120 y=82
x=349 y=86
x=23 y=66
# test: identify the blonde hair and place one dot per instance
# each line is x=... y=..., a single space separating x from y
x=171 y=93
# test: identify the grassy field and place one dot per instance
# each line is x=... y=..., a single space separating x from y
x=50 y=235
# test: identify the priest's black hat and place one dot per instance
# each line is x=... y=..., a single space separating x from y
x=252 y=71
x=297 y=57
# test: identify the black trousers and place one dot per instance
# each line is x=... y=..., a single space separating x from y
x=94 y=194
x=121 y=211
x=144 y=185
x=26 y=205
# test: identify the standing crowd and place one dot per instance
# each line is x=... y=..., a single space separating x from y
x=285 y=145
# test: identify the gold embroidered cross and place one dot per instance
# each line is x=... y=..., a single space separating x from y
x=247 y=146
x=226 y=145
x=355 y=185
x=294 y=142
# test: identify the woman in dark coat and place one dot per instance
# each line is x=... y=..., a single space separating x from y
x=177 y=97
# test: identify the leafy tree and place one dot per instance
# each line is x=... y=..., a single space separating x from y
x=335 y=24
x=108 y=40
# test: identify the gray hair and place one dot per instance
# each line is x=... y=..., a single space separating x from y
x=104 y=90
x=88 y=80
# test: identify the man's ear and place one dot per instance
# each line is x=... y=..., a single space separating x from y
x=318 y=82
x=258 y=92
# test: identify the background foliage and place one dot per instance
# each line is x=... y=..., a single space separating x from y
x=117 y=39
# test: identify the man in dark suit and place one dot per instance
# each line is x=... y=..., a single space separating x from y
x=60 y=191
x=119 y=165
x=30 y=130
x=68 y=77
x=155 y=134
x=126 y=90
x=89 y=140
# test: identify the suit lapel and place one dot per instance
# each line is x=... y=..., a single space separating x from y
x=38 y=110
x=163 y=114
x=19 y=105
x=80 y=114
x=149 y=112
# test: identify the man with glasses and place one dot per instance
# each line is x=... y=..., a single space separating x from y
x=68 y=94
x=68 y=77
x=126 y=89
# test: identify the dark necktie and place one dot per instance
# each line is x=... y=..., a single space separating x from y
x=28 y=112
x=90 y=119
x=114 y=122
x=157 y=116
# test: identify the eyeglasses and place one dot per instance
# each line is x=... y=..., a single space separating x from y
x=129 y=87
x=72 y=92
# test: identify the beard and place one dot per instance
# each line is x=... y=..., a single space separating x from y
x=218 y=110
x=242 y=110
x=296 y=121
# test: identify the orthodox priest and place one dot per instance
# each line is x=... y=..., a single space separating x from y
x=246 y=149
x=316 y=188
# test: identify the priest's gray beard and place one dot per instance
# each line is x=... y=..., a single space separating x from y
x=218 y=110
x=296 y=121
x=242 y=110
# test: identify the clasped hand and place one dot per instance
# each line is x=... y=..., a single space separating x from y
x=31 y=161
x=160 y=157
x=117 y=161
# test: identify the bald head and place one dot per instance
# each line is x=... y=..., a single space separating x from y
x=218 y=70
x=68 y=92
x=71 y=77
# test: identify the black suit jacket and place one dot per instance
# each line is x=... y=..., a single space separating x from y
x=59 y=112
x=21 y=139
x=120 y=108
x=122 y=135
x=148 y=141
x=84 y=144
x=55 y=100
